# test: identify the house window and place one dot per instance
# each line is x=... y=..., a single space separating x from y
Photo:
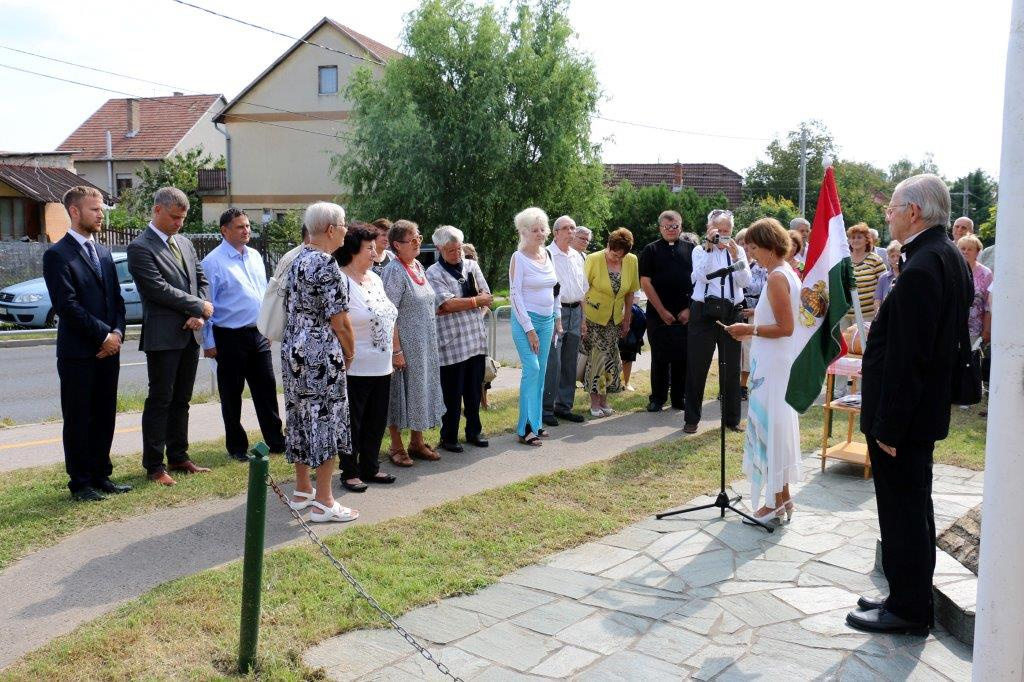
x=123 y=182
x=328 y=80
x=12 y=219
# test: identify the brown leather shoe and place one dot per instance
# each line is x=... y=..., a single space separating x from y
x=188 y=466
x=161 y=477
x=426 y=453
x=400 y=458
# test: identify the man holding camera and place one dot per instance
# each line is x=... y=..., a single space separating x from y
x=720 y=272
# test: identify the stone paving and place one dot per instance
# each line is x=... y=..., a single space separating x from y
x=688 y=597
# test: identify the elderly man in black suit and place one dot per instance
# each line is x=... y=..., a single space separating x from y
x=175 y=305
x=86 y=296
x=908 y=368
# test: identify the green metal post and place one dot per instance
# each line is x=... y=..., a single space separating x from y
x=252 y=564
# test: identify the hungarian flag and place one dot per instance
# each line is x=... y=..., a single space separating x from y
x=824 y=299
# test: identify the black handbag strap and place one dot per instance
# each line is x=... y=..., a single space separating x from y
x=732 y=294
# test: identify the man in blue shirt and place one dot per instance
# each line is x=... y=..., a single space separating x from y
x=238 y=281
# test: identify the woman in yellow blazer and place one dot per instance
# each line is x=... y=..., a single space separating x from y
x=613 y=276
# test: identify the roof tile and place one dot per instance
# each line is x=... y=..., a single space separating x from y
x=43 y=183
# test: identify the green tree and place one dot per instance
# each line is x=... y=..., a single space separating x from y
x=981 y=190
x=489 y=113
x=864 y=190
x=780 y=208
x=638 y=209
x=987 y=229
x=778 y=174
x=904 y=168
x=178 y=170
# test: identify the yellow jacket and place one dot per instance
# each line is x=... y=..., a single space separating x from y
x=600 y=304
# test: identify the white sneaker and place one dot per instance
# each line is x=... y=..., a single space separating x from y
x=629 y=387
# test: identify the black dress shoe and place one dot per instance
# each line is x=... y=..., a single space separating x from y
x=354 y=487
x=478 y=441
x=689 y=428
x=239 y=456
x=867 y=603
x=451 y=447
x=736 y=428
x=549 y=420
x=108 y=486
x=570 y=417
x=87 y=494
x=654 y=407
x=881 y=620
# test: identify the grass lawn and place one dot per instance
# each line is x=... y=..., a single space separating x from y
x=35 y=508
x=188 y=628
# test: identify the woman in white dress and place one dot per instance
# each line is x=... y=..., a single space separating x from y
x=771 y=456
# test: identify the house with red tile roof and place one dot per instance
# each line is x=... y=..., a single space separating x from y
x=706 y=178
x=32 y=187
x=142 y=131
x=284 y=127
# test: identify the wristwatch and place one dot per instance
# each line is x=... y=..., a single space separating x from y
x=755 y=330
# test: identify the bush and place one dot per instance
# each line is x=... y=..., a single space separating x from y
x=637 y=209
x=780 y=208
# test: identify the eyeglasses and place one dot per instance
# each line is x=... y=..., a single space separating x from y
x=719 y=213
x=413 y=240
x=889 y=208
x=672 y=226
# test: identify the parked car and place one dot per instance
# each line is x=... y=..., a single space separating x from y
x=27 y=304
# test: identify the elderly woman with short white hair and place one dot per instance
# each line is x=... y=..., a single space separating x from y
x=317 y=347
x=532 y=280
x=462 y=298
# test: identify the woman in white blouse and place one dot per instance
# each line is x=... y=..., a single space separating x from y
x=369 y=374
x=532 y=280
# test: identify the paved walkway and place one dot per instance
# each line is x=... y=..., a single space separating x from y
x=693 y=596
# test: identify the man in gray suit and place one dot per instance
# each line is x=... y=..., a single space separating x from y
x=175 y=305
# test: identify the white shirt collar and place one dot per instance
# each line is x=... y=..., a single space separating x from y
x=159 y=233
x=79 y=238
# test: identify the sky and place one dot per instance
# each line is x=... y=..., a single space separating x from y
x=889 y=79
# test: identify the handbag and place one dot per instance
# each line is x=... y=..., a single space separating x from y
x=270 y=322
x=491 y=367
x=967 y=371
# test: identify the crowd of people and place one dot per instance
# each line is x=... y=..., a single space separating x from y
x=372 y=341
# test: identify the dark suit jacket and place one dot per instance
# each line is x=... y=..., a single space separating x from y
x=912 y=347
x=169 y=294
x=89 y=307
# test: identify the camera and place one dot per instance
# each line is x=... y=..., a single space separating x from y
x=718 y=238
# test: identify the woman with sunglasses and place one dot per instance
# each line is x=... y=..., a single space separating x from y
x=416 y=399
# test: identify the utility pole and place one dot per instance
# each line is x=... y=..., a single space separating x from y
x=999 y=629
x=967 y=192
x=803 y=170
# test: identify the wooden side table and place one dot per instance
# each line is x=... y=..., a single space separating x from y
x=855 y=452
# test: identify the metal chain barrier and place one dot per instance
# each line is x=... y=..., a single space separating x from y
x=441 y=667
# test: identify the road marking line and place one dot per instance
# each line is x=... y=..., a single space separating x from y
x=50 y=441
x=133 y=364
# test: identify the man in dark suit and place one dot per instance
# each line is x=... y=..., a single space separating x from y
x=86 y=296
x=175 y=306
x=907 y=373
x=666 y=266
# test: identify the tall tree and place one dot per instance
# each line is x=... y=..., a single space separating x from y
x=638 y=209
x=489 y=113
x=778 y=175
x=864 y=191
x=904 y=168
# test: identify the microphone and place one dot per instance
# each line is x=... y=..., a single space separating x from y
x=722 y=272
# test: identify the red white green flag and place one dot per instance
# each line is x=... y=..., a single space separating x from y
x=824 y=299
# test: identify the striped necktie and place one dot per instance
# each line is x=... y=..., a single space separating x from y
x=90 y=248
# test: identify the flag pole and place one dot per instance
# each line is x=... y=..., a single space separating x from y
x=999 y=629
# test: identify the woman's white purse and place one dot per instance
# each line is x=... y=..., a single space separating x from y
x=271 y=319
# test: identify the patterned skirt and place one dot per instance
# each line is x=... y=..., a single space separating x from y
x=604 y=367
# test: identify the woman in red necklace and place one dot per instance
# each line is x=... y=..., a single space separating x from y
x=416 y=403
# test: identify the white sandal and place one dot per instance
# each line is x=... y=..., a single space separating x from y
x=307 y=499
x=335 y=513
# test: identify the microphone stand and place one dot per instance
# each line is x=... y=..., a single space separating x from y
x=723 y=501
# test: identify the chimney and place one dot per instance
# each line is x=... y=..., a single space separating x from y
x=133 y=117
x=178 y=94
x=677 y=176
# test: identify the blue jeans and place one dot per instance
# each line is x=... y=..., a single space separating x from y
x=531 y=382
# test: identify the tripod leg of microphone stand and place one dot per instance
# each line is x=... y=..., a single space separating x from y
x=684 y=511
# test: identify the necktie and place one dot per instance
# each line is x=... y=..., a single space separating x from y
x=90 y=248
x=176 y=251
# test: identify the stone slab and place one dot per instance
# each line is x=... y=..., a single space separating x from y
x=703 y=569
x=605 y=633
x=357 y=653
x=592 y=557
x=566 y=661
x=757 y=608
x=813 y=600
x=670 y=643
x=572 y=584
x=444 y=623
x=509 y=645
x=767 y=571
x=632 y=665
x=628 y=602
x=550 y=618
x=501 y=600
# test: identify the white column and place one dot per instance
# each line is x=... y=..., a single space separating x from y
x=999 y=631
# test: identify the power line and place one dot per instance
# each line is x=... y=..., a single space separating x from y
x=169 y=101
x=682 y=132
x=163 y=85
x=270 y=30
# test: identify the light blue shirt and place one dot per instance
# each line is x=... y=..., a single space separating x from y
x=238 y=282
